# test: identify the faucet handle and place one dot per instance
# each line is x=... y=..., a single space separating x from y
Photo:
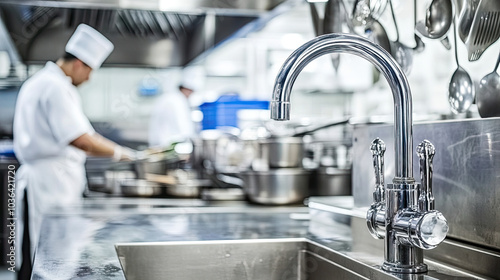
x=423 y=230
x=378 y=150
x=426 y=152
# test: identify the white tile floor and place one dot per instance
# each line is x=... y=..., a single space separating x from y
x=6 y=275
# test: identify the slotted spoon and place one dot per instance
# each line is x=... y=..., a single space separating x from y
x=484 y=29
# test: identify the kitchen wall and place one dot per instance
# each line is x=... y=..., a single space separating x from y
x=249 y=65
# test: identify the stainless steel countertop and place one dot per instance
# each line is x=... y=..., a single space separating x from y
x=79 y=243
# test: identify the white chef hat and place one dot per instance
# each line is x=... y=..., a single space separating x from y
x=193 y=77
x=89 y=46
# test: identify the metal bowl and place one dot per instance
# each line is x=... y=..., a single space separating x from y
x=276 y=186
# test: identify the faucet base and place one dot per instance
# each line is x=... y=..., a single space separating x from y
x=398 y=268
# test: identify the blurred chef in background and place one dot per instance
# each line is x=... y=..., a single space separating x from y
x=52 y=136
x=171 y=119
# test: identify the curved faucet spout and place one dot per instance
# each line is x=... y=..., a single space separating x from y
x=352 y=44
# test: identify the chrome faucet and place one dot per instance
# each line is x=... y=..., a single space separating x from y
x=402 y=212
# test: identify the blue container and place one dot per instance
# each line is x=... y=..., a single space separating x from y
x=224 y=111
x=7 y=151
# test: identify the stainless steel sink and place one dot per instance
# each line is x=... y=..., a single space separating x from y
x=294 y=258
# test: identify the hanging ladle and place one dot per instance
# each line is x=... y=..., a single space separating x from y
x=461 y=88
x=488 y=94
x=438 y=19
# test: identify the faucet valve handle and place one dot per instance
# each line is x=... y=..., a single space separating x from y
x=378 y=150
x=425 y=152
x=423 y=230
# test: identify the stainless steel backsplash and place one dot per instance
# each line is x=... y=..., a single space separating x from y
x=466 y=176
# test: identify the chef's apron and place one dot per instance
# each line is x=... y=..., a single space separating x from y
x=49 y=183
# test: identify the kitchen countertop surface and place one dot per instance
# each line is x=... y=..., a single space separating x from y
x=79 y=243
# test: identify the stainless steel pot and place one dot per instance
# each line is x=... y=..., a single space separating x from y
x=331 y=181
x=143 y=167
x=288 y=151
x=276 y=186
x=282 y=152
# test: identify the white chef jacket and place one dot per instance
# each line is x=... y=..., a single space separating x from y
x=170 y=120
x=48 y=117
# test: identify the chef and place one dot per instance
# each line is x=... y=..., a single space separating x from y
x=171 y=117
x=52 y=136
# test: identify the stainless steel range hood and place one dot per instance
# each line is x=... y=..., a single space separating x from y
x=146 y=33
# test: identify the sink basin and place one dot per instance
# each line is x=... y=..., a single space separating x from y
x=257 y=259
x=291 y=258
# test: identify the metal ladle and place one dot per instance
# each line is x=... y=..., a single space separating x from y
x=461 y=88
x=438 y=19
x=488 y=94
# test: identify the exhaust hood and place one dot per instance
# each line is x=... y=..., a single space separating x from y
x=146 y=33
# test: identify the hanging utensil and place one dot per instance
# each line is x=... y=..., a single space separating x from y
x=328 y=18
x=316 y=17
x=377 y=34
x=461 y=88
x=468 y=10
x=400 y=52
x=365 y=12
x=488 y=94
x=419 y=44
x=332 y=23
x=479 y=26
x=446 y=43
x=438 y=18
